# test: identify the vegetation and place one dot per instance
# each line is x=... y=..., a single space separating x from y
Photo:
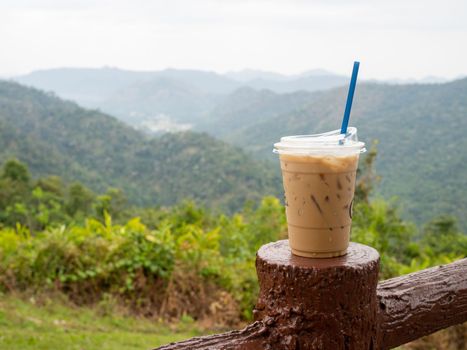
x=183 y=263
x=420 y=128
x=184 y=260
x=86 y=245
x=54 y=137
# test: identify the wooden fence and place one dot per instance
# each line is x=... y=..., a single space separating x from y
x=338 y=304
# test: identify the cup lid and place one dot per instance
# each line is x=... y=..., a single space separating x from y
x=332 y=142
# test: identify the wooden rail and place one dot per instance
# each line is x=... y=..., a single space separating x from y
x=421 y=303
x=338 y=304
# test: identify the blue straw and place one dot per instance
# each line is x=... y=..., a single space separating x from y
x=348 y=106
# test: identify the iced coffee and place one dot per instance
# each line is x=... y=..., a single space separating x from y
x=319 y=173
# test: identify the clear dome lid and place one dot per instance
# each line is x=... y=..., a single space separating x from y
x=332 y=142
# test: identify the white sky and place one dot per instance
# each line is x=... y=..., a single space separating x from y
x=392 y=39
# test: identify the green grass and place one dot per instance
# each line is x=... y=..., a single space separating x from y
x=27 y=324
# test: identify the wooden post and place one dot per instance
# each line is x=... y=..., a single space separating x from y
x=337 y=303
x=318 y=303
x=307 y=303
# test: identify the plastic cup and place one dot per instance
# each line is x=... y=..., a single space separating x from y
x=319 y=173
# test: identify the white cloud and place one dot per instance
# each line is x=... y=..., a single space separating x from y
x=391 y=38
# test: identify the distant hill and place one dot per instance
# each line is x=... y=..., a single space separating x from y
x=304 y=82
x=205 y=81
x=421 y=131
x=312 y=80
x=57 y=137
x=151 y=99
x=86 y=86
x=246 y=107
x=178 y=96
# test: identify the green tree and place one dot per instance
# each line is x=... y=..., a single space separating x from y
x=79 y=201
x=14 y=193
x=366 y=175
x=113 y=202
x=377 y=222
x=16 y=171
x=441 y=236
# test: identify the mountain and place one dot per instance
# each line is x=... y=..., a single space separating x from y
x=166 y=100
x=90 y=86
x=430 y=79
x=421 y=129
x=305 y=83
x=86 y=86
x=205 y=81
x=312 y=80
x=246 y=106
x=154 y=101
x=56 y=137
x=148 y=100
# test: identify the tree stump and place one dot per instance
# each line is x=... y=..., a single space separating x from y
x=310 y=303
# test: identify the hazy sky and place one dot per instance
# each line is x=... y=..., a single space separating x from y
x=392 y=39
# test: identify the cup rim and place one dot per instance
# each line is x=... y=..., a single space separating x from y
x=329 y=142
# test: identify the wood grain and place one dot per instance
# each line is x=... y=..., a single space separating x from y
x=307 y=303
x=336 y=303
x=249 y=338
x=421 y=303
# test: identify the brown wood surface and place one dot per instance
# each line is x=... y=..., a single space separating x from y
x=421 y=303
x=336 y=303
x=307 y=303
x=249 y=338
x=318 y=303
